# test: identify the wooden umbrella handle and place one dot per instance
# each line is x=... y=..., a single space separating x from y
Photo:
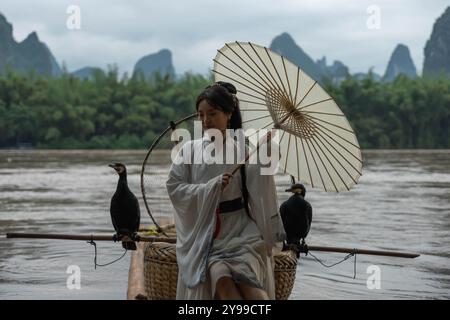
x=265 y=139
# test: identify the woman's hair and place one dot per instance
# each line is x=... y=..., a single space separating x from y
x=222 y=96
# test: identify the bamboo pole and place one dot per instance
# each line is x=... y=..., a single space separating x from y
x=306 y=248
x=85 y=237
x=300 y=248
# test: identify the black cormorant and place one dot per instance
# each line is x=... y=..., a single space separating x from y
x=296 y=214
x=125 y=212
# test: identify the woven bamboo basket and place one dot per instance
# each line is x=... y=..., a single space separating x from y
x=161 y=272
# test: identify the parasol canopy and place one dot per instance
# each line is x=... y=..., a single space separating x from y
x=317 y=144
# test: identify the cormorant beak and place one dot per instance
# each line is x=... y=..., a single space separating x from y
x=112 y=166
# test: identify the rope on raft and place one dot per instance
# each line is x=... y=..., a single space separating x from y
x=92 y=242
x=303 y=248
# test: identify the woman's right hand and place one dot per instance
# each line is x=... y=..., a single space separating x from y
x=226 y=177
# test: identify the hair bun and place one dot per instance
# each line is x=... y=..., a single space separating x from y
x=230 y=87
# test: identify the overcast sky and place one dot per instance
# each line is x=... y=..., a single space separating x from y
x=121 y=32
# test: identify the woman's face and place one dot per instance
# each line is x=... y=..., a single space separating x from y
x=211 y=117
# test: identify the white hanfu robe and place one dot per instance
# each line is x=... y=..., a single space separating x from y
x=243 y=246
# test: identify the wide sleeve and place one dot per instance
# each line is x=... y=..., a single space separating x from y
x=194 y=205
x=264 y=205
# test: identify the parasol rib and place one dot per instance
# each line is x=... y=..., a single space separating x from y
x=275 y=105
x=325 y=113
x=298 y=160
x=331 y=124
x=276 y=70
x=304 y=133
x=314 y=103
x=349 y=142
x=265 y=83
x=309 y=90
x=269 y=84
x=319 y=135
x=260 y=129
x=308 y=128
x=296 y=85
x=236 y=81
x=287 y=78
x=239 y=75
x=323 y=164
x=337 y=142
x=264 y=64
x=282 y=136
x=337 y=172
x=287 y=153
x=265 y=110
x=315 y=163
x=253 y=102
x=246 y=121
x=250 y=95
x=339 y=153
x=307 y=163
x=295 y=108
x=342 y=166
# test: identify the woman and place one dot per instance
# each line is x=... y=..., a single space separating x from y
x=223 y=251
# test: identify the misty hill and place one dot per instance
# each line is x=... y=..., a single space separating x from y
x=286 y=46
x=400 y=63
x=337 y=72
x=437 y=48
x=85 y=73
x=26 y=56
x=361 y=76
x=157 y=62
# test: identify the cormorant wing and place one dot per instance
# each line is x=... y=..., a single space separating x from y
x=137 y=217
x=113 y=211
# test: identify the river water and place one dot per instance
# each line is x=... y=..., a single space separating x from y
x=402 y=203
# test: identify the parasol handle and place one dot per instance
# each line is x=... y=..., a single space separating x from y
x=266 y=138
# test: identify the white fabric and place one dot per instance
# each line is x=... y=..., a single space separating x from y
x=317 y=143
x=195 y=191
